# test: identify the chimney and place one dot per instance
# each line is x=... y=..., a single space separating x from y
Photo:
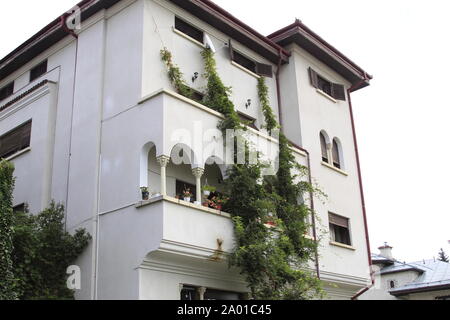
x=386 y=251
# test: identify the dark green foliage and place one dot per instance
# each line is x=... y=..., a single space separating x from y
x=42 y=252
x=217 y=94
x=263 y=91
x=442 y=256
x=7 y=283
x=175 y=75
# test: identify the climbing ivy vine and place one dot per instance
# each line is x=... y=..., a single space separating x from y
x=273 y=258
x=175 y=74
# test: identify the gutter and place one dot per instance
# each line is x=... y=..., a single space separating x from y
x=361 y=189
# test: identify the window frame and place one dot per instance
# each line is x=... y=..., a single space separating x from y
x=192 y=28
x=332 y=227
x=336 y=91
x=39 y=70
x=26 y=134
x=7 y=91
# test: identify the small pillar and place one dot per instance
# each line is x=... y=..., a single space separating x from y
x=198 y=173
x=163 y=162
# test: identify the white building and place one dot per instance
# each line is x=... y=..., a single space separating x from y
x=88 y=116
x=396 y=280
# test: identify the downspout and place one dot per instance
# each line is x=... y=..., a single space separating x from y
x=63 y=22
x=361 y=189
x=308 y=156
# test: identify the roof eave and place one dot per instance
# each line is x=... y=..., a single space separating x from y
x=47 y=37
x=301 y=35
x=234 y=28
x=420 y=289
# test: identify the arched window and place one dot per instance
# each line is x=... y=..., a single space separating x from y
x=336 y=154
x=323 y=145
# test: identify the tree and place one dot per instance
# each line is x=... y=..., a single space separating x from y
x=42 y=252
x=35 y=250
x=7 y=283
x=442 y=256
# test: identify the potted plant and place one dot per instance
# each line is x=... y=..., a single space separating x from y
x=145 y=193
x=208 y=189
x=187 y=195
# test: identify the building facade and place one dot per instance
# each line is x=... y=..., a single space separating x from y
x=88 y=117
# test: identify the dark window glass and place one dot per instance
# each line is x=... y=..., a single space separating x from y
x=247 y=120
x=392 y=284
x=189 y=294
x=339 y=229
x=20 y=208
x=15 y=140
x=189 y=30
x=6 y=91
x=324 y=85
x=38 y=71
x=244 y=61
x=181 y=186
x=211 y=294
x=336 y=158
x=323 y=146
x=197 y=96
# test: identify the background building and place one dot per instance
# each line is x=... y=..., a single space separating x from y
x=421 y=280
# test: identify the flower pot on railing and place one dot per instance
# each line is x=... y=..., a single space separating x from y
x=145 y=193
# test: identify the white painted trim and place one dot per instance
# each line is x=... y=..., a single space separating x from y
x=325 y=164
x=182 y=203
x=245 y=69
x=326 y=95
x=337 y=244
x=209 y=110
x=18 y=154
x=22 y=103
x=202 y=45
x=182 y=98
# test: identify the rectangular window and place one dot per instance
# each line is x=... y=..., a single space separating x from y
x=6 y=91
x=15 y=140
x=244 y=61
x=181 y=186
x=20 y=208
x=247 y=120
x=197 y=96
x=335 y=90
x=189 y=30
x=38 y=71
x=339 y=229
x=261 y=69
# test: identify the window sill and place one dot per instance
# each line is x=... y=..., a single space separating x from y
x=188 y=38
x=245 y=69
x=334 y=168
x=341 y=245
x=326 y=95
x=18 y=154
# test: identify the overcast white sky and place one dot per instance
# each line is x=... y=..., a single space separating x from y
x=402 y=119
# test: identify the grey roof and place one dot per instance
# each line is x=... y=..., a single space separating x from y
x=435 y=275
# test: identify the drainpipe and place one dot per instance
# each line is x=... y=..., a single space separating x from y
x=277 y=79
x=363 y=202
x=308 y=156
x=63 y=20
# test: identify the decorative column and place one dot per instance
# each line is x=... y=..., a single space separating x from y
x=163 y=162
x=201 y=293
x=198 y=173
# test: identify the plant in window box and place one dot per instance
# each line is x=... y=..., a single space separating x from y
x=187 y=194
x=207 y=190
x=145 y=193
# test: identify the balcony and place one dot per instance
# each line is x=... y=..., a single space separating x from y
x=173 y=146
